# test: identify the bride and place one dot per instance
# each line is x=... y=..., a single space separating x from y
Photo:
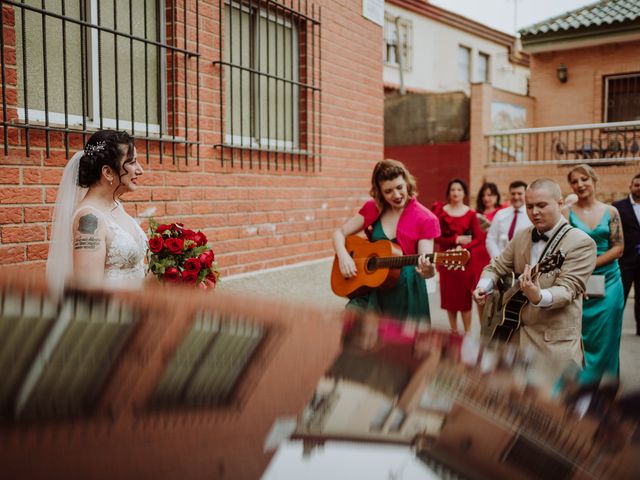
x=94 y=240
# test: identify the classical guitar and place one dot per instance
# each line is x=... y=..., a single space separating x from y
x=501 y=313
x=378 y=265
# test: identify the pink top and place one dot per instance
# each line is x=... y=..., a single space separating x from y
x=416 y=222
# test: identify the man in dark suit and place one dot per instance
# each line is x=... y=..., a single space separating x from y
x=629 y=209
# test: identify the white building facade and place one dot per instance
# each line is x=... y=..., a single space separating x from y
x=440 y=51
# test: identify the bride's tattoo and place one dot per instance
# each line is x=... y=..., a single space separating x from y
x=86 y=243
x=88 y=223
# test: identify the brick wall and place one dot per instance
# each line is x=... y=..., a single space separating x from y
x=482 y=95
x=255 y=218
x=580 y=99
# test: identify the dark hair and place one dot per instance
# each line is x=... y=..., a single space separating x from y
x=465 y=189
x=105 y=147
x=636 y=176
x=480 y=208
x=389 y=170
x=518 y=184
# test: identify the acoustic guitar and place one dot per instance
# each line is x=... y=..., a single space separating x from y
x=502 y=310
x=378 y=265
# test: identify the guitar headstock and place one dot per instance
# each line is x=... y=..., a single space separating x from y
x=453 y=259
x=551 y=262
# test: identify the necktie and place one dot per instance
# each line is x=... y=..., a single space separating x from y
x=537 y=236
x=512 y=228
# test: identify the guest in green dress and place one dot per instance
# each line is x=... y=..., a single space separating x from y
x=393 y=214
x=601 y=317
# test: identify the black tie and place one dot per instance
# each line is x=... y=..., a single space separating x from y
x=536 y=236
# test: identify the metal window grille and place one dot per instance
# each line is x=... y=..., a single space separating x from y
x=270 y=84
x=622 y=98
x=74 y=66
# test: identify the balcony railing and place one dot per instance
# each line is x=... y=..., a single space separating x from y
x=593 y=143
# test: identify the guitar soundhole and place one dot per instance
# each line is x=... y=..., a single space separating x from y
x=371 y=264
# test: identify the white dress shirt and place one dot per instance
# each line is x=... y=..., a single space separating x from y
x=498 y=234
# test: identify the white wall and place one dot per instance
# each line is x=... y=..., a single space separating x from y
x=434 y=63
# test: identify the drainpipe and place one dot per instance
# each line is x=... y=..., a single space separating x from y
x=399 y=51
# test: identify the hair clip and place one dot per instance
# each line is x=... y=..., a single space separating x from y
x=96 y=147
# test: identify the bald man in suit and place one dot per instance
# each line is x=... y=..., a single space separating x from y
x=551 y=321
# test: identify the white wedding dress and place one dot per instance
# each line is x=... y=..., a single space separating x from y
x=125 y=251
x=126 y=246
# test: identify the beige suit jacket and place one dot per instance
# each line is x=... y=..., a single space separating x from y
x=556 y=330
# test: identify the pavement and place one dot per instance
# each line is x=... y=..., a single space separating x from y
x=309 y=283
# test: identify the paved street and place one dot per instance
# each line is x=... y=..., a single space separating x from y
x=310 y=283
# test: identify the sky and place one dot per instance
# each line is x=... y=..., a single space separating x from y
x=499 y=14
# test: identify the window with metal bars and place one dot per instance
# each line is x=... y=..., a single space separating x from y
x=622 y=97
x=82 y=65
x=270 y=66
x=398 y=41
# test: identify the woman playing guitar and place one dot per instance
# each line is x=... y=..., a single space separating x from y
x=393 y=214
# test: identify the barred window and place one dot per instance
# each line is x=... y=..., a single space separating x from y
x=99 y=56
x=250 y=120
x=91 y=64
x=622 y=98
x=397 y=41
x=271 y=73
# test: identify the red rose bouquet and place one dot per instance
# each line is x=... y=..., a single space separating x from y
x=180 y=255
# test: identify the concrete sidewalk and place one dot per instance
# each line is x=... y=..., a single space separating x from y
x=309 y=283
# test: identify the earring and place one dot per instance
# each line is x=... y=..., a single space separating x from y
x=111 y=182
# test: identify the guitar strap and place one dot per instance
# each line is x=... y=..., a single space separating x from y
x=555 y=240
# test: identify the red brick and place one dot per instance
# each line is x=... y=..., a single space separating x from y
x=9 y=176
x=12 y=254
x=37 y=251
x=17 y=195
x=38 y=214
x=22 y=234
x=10 y=215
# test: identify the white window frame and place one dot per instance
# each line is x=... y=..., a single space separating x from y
x=487 y=77
x=93 y=120
x=469 y=65
x=260 y=142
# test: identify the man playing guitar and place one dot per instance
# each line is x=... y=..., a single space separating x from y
x=550 y=321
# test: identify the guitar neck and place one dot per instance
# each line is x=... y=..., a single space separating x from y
x=399 y=262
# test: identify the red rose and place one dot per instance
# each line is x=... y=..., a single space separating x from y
x=212 y=278
x=171 y=274
x=156 y=244
x=177 y=227
x=200 y=238
x=206 y=259
x=188 y=234
x=192 y=265
x=162 y=229
x=189 y=277
x=174 y=245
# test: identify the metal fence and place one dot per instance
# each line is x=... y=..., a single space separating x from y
x=596 y=143
x=270 y=84
x=75 y=66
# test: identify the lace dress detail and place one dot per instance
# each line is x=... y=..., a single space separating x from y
x=125 y=252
